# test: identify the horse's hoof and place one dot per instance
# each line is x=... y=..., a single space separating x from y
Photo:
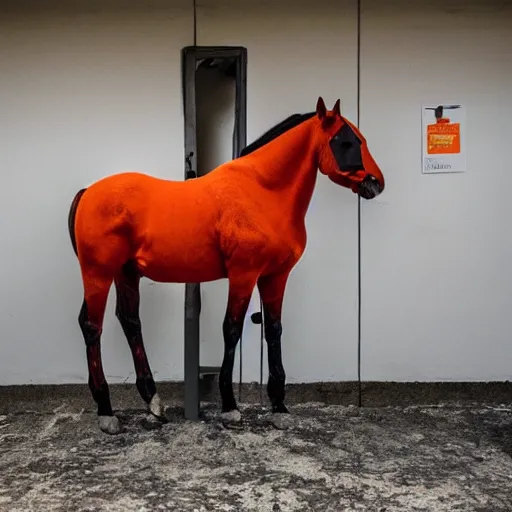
x=157 y=409
x=231 y=417
x=151 y=422
x=109 y=424
x=282 y=421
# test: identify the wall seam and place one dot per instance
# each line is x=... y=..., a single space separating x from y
x=194 y=12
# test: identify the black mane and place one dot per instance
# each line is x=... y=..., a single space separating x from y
x=274 y=132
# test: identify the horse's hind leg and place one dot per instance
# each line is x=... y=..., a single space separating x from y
x=90 y=319
x=127 y=311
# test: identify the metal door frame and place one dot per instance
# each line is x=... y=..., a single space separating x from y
x=190 y=56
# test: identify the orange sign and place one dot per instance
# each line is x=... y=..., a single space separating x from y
x=443 y=138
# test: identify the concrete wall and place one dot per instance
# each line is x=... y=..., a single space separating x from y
x=88 y=91
x=436 y=248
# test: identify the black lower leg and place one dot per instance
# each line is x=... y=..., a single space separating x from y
x=146 y=387
x=127 y=311
x=97 y=382
x=277 y=375
x=232 y=331
x=145 y=383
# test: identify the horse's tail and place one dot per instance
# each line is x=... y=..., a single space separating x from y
x=71 y=217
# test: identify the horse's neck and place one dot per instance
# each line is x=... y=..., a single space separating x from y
x=288 y=165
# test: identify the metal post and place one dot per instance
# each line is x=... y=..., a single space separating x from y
x=190 y=55
x=192 y=310
x=192 y=290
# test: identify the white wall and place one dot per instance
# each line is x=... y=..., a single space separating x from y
x=437 y=280
x=296 y=52
x=85 y=92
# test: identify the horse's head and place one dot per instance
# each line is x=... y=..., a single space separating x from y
x=344 y=156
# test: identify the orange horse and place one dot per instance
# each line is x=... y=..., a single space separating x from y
x=244 y=221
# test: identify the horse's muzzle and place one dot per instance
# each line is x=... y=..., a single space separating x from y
x=369 y=187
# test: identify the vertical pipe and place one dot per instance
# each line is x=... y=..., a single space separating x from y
x=360 y=400
x=192 y=290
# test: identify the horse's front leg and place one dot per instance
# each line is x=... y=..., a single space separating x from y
x=241 y=287
x=272 y=288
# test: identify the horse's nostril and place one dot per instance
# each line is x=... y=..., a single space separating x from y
x=370 y=187
x=375 y=183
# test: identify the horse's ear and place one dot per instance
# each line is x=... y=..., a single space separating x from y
x=321 y=111
x=336 y=108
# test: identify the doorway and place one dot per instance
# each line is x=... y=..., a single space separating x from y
x=214 y=92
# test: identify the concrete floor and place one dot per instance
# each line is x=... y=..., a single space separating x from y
x=334 y=458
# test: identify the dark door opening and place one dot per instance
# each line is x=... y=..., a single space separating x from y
x=215 y=113
x=214 y=92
